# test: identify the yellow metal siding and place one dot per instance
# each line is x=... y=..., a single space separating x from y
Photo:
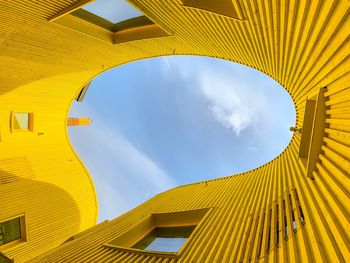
x=304 y=45
x=40 y=174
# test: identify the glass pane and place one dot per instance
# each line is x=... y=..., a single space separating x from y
x=11 y=230
x=1 y=235
x=4 y=259
x=21 y=121
x=183 y=231
x=113 y=10
x=166 y=244
x=165 y=239
x=148 y=239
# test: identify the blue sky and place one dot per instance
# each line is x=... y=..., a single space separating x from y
x=113 y=10
x=163 y=122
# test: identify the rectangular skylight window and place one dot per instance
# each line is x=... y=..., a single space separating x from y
x=167 y=244
x=162 y=234
x=165 y=239
x=114 y=11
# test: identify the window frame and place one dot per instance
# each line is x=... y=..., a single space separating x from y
x=313 y=130
x=5 y=259
x=154 y=229
x=195 y=217
x=30 y=121
x=23 y=229
x=85 y=22
x=206 y=5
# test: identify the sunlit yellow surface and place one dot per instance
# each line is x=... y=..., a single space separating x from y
x=304 y=45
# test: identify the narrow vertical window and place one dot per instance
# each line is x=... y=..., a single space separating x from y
x=293 y=217
x=269 y=230
x=302 y=218
x=285 y=220
x=277 y=228
x=261 y=235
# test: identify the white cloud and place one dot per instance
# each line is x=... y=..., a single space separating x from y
x=229 y=102
x=234 y=97
x=241 y=99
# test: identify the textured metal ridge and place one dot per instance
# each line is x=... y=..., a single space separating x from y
x=304 y=45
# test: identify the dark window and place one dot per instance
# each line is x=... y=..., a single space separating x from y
x=10 y=231
x=277 y=228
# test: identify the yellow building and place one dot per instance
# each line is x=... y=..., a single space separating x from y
x=295 y=208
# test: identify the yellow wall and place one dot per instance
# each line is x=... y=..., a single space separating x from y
x=40 y=174
x=304 y=45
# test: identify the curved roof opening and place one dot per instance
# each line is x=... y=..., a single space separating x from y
x=163 y=122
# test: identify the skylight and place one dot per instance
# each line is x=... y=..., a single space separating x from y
x=165 y=239
x=166 y=244
x=114 y=11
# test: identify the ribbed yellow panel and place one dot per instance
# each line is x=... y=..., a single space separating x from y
x=270 y=214
x=40 y=175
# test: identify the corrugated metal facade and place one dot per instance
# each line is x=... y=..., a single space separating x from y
x=304 y=45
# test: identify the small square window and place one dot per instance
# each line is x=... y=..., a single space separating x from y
x=12 y=230
x=22 y=121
